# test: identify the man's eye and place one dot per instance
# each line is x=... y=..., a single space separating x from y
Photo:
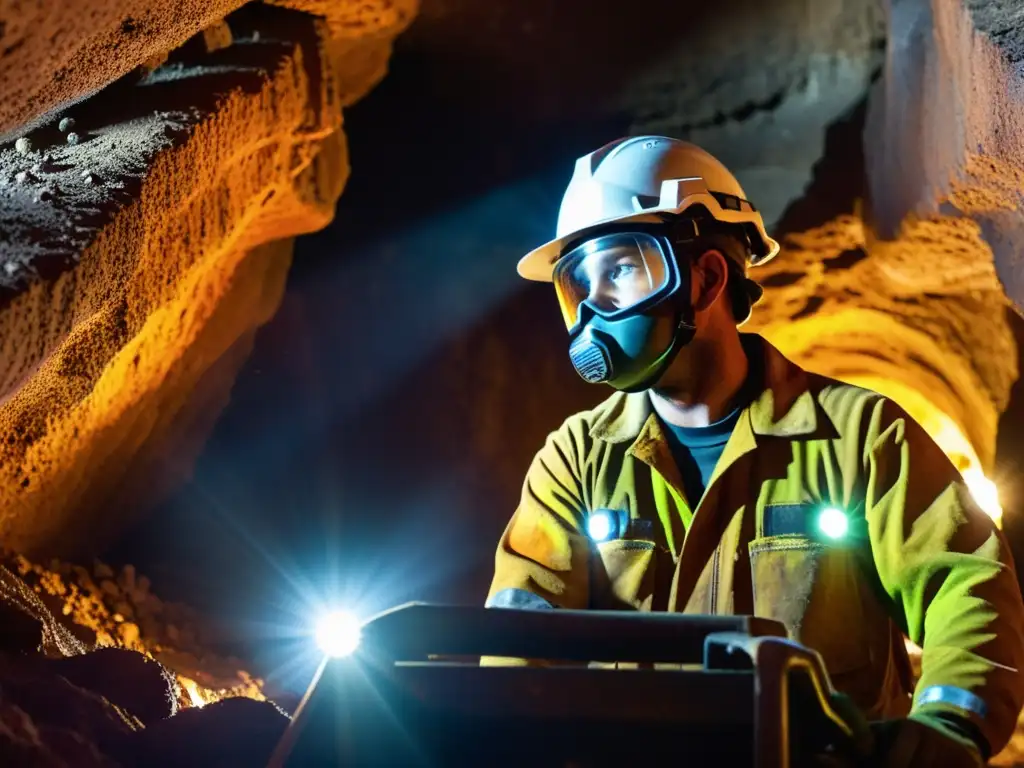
x=620 y=271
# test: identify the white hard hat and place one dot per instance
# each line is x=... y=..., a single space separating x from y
x=633 y=180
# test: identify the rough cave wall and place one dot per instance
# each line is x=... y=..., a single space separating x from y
x=944 y=146
x=900 y=292
x=55 y=56
x=921 y=318
x=762 y=101
x=759 y=86
x=945 y=138
x=146 y=208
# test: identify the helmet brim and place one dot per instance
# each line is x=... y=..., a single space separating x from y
x=539 y=263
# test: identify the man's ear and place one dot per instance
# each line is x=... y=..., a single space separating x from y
x=710 y=277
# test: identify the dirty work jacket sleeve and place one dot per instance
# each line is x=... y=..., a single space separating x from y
x=950 y=575
x=544 y=552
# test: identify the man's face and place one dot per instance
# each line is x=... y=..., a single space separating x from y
x=618 y=276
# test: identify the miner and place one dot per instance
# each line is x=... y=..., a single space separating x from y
x=721 y=478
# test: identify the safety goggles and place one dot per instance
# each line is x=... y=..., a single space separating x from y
x=677 y=196
x=615 y=273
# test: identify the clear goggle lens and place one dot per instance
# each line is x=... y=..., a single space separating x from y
x=613 y=272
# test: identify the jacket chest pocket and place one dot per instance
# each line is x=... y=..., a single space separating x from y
x=816 y=591
x=624 y=574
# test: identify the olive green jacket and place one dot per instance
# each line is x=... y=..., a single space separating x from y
x=919 y=558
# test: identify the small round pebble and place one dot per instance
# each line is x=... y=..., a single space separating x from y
x=88 y=178
x=21 y=177
x=10 y=267
x=43 y=196
x=23 y=146
x=66 y=124
x=73 y=138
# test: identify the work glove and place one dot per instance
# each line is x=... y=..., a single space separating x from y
x=926 y=741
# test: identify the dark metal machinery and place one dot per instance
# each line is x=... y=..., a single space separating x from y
x=414 y=694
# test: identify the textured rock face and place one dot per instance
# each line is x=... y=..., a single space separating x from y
x=48 y=721
x=102 y=609
x=903 y=298
x=77 y=689
x=946 y=131
x=915 y=309
x=55 y=53
x=758 y=86
x=144 y=236
x=910 y=299
x=359 y=40
x=65 y=713
x=921 y=318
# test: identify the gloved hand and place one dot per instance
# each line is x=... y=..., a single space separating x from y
x=925 y=741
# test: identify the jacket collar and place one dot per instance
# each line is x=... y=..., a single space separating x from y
x=786 y=406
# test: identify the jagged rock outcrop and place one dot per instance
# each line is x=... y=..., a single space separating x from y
x=758 y=87
x=945 y=138
x=69 y=701
x=901 y=294
x=54 y=55
x=52 y=716
x=359 y=38
x=144 y=236
x=101 y=608
x=921 y=318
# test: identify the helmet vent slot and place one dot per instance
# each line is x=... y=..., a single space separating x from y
x=643 y=202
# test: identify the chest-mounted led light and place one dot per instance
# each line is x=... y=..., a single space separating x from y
x=603 y=525
x=833 y=523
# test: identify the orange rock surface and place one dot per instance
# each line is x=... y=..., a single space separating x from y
x=946 y=125
x=137 y=260
x=56 y=53
x=921 y=318
x=359 y=39
x=84 y=608
x=53 y=54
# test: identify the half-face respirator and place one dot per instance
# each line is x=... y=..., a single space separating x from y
x=625 y=299
x=620 y=259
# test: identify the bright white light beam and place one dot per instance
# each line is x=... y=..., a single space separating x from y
x=338 y=634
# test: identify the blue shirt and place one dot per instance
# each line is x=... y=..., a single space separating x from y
x=697 y=450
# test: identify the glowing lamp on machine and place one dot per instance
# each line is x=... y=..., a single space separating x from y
x=338 y=634
x=833 y=523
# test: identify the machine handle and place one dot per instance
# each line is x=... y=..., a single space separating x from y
x=417 y=630
x=779 y=666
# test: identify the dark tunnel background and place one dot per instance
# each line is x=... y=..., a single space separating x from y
x=376 y=440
